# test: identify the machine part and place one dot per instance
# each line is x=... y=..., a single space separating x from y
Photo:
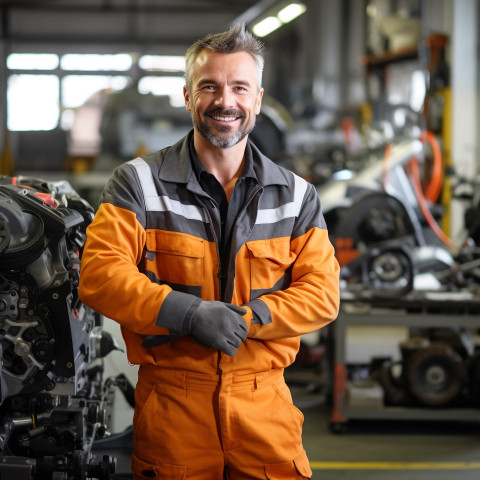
x=126 y=387
x=395 y=268
x=372 y=218
x=412 y=345
x=271 y=128
x=52 y=404
x=333 y=191
x=388 y=271
x=58 y=467
x=390 y=377
x=435 y=375
x=102 y=343
x=475 y=376
x=472 y=221
x=425 y=209
x=465 y=274
x=458 y=339
x=429 y=261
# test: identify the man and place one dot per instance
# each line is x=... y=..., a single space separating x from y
x=214 y=260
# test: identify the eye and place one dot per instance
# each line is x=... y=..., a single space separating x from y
x=208 y=88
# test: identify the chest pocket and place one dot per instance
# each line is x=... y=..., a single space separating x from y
x=175 y=258
x=269 y=261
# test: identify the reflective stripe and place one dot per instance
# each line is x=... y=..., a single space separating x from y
x=157 y=203
x=291 y=209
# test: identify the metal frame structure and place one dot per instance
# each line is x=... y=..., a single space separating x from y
x=454 y=313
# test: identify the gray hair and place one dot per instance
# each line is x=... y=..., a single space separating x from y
x=237 y=39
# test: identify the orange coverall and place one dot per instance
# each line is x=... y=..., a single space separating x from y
x=199 y=412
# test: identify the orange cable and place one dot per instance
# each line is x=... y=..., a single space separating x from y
x=386 y=158
x=417 y=187
x=432 y=192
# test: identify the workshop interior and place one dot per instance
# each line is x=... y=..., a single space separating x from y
x=375 y=102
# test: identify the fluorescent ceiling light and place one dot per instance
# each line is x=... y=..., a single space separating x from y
x=290 y=12
x=285 y=15
x=266 y=26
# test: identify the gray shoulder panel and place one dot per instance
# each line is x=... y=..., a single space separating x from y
x=124 y=190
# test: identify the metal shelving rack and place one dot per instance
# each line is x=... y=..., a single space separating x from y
x=411 y=313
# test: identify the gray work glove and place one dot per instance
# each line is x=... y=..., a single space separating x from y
x=220 y=325
x=213 y=324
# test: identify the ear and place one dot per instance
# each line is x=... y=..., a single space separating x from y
x=186 y=96
x=258 y=102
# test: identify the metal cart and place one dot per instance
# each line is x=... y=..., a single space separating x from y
x=452 y=311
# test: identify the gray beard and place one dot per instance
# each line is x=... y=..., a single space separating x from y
x=221 y=142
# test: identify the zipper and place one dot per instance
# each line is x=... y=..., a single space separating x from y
x=215 y=238
x=252 y=195
x=250 y=199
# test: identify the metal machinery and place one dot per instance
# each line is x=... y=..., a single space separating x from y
x=399 y=270
x=54 y=401
x=435 y=378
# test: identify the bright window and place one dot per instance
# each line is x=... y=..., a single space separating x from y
x=32 y=61
x=77 y=89
x=120 y=62
x=33 y=102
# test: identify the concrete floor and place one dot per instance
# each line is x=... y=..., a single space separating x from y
x=397 y=450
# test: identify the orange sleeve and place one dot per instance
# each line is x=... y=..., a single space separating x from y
x=110 y=280
x=313 y=297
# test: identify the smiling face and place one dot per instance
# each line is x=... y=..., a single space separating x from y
x=224 y=98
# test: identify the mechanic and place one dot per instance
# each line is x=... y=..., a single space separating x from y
x=214 y=260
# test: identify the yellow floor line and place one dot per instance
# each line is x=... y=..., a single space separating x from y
x=395 y=465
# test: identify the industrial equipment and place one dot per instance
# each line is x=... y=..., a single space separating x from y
x=386 y=229
x=435 y=378
x=401 y=274
x=54 y=401
x=437 y=369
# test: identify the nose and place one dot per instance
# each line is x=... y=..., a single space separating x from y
x=224 y=98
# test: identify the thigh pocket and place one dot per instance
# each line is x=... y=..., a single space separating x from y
x=155 y=434
x=140 y=412
x=285 y=396
x=148 y=469
x=298 y=468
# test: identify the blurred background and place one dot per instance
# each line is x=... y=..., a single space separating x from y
x=376 y=102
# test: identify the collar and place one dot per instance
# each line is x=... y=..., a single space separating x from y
x=199 y=169
x=177 y=165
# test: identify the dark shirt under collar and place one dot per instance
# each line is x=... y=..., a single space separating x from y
x=199 y=169
x=228 y=211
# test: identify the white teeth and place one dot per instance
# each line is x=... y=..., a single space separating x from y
x=224 y=119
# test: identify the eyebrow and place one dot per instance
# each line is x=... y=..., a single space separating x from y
x=243 y=82
x=235 y=82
